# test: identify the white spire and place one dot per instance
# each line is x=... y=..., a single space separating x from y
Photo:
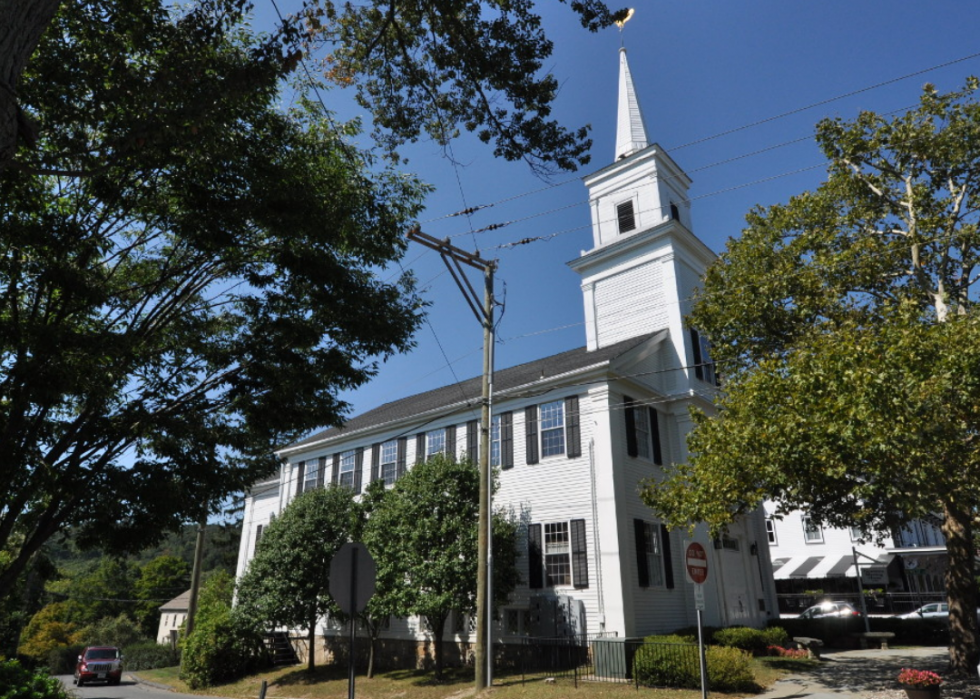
x=631 y=132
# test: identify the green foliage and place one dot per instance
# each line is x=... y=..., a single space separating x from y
x=729 y=670
x=659 y=665
x=120 y=631
x=196 y=273
x=163 y=578
x=17 y=682
x=61 y=660
x=776 y=635
x=46 y=631
x=223 y=645
x=150 y=655
x=287 y=582
x=474 y=65
x=846 y=326
x=423 y=536
x=754 y=641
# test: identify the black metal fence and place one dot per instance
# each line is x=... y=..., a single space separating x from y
x=609 y=658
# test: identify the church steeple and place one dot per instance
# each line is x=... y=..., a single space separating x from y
x=631 y=130
x=645 y=259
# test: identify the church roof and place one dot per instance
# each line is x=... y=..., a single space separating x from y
x=467 y=393
x=631 y=130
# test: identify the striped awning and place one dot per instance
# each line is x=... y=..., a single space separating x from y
x=819 y=567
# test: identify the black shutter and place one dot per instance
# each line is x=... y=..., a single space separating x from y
x=573 y=434
x=531 y=434
x=642 y=567
x=451 y=442
x=358 y=469
x=402 y=457
x=420 y=447
x=473 y=440
x=630 y=415
x=658 y=454
x=580 y=556
x=535 y=563
x=375 y=462
x=696 y=347
x=668 y=561
x=507 y=440
x=300 y=475
x=335 y=476
x=258 y=535
x=321 y=471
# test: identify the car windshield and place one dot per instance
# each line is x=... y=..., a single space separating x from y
x=101 y=654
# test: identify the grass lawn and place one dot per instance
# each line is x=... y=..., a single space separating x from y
x=331 y=683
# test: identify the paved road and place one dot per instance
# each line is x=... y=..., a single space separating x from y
x=127 y=689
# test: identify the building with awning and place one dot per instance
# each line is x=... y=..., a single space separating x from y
x=807 y=557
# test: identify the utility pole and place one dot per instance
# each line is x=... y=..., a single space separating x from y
x=196 y=574
x=454 y=257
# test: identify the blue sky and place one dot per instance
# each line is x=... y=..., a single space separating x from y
x=703 y=69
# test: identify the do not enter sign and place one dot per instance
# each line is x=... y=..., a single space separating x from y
x=696 y=563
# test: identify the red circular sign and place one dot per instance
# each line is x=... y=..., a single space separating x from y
x=696 y=562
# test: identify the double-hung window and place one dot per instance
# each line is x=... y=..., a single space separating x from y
x=495 y=440
x=348 y=461
x=641 y=423
x=642 y=431
x=552 y=428
x=557 y=562
x=311 y=478
x=558 y=554
x=812 y=532
x=435 y=442
x=653 y=563
x=771 y=530
x=389 y=461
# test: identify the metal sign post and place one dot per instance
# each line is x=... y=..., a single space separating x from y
x=696 y=571
x=352 y=581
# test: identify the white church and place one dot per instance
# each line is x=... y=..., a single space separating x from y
x=575 y=433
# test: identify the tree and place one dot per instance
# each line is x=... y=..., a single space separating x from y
x=288 y=580
x=159 y=581
x=420 y=67
x=423 y=536
x=222 y=646
x=845 y=324
x=48 y=630
x=187 y=275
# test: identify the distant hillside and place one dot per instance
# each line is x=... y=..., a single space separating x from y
x=220 y=549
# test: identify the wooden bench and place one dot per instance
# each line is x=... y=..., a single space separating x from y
x=881 y=637
x=811 y=645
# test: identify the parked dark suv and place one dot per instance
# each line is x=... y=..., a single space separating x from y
x=99 y=663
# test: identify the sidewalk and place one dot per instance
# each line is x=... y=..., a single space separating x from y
x=870 y=674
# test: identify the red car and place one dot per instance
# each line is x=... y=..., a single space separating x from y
x=99 y=663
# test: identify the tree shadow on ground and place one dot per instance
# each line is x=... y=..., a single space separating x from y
x=876 y=671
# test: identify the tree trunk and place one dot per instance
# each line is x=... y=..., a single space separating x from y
x=438 y=626
x=311 y=647
x=22 y=23
x=374 y=630
x=961 y=591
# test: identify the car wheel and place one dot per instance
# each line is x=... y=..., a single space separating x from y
x=116 y=680
x=79 y=682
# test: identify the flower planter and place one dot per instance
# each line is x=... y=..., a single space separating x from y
x=921 y=692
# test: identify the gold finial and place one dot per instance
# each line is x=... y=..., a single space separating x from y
x=624 y=20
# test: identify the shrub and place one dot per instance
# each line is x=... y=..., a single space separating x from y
x=119 y=631
x=61 y=660
x=149 y=655
x=776 y=636
x=17 y=682
x=729 y=670
x=667 y=663
x=788 y=652
x=754 y=641
x=660 y=665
